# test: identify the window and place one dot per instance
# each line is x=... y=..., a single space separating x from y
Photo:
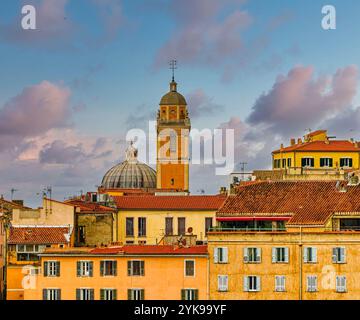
x=307 y=162
x=221 y=255
x=169 y=226
x=108 y=268
x=189 y=294
x=311 y=283
x=310 y=255
x=84 y=268
x=181 y=226
x=142 y=227
x=289 y=162
x=279 y=283
x=108 y=294
x=251 y=283
x=276 y=163
x=339 y=255
x=208 y=224
x=173 y=142
x=51 y=294
x=223 y=283
x=81 y=234
x=51 y=269
x=28 y=252
x=252 y=255
x=129 y=227
x=326 y=162
x=284 y=163
x=189 y=268
x=280 y=255
x=341 y=284
x=136 y=294
x=346 y=162
x=84 y=294
x=136 y=268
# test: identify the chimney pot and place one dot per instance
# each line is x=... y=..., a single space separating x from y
x=292 y=141
x=299 y=141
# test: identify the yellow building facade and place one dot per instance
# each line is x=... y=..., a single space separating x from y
x=148 y=219
x=317 y=154
x=284 y=266
x=122 y=273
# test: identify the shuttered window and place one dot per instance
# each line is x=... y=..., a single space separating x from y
x=280 y=255
x=108 y=268
x=339 y=255
x=52 y=269
x=108 y=294
x=307 y=162
x=279 y=283
x=51 y=294
x=221 y=255
x=251 y=283
x=341 y=284
x=252 y=255
x=129 y=227
x=136 y=268
x=136 y=294
x=208 y=224
x=326 y=162
x=189 y=268
x=181 y=226
x=84 y=268
x=169 y=226
x=189 y=294
x=84 y=294
x=311 y=283
x=142 y=227
x=310 y=255
x=223 y=283
x=346 y=162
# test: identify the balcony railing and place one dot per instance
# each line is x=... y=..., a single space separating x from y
x=234 y=229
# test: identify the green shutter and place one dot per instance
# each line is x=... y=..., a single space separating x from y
x=129 y=294
x=58 y=268
x=142 y=268
x=91 y=294
x=182 y=294
x=129 y=268
x=77 y=294
x=115 y=268
x=196 y=294
x=78 y=268
x=102 y=294
x=91 y=269
x=102 y=268
x=45 y=269
x=44 y=294
x=59 y=294
x=142 y=294
x=114 y=294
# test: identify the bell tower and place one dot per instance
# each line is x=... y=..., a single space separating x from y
x=173 y=128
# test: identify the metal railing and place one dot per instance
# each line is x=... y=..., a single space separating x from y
x=234 y=229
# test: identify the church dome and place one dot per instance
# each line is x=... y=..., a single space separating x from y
x=173 y=97
x=130 y=174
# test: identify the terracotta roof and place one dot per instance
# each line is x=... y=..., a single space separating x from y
x=308 y=202
x=151 y=250
x=89 y=206
x=170 y=202
x=330 y=146
x=39 y=235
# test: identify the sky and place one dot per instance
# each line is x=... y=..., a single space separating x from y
x=93 y=69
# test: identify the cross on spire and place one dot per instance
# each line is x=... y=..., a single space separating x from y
x=173 y=66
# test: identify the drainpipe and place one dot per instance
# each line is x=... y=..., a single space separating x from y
x=208 y=278
x=300 y=265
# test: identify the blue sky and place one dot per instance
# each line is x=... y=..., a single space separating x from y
x=106 y=54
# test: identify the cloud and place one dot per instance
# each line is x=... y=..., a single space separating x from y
x=202 y=35
x=200 y=105
x=299 y=100
x=35 y=110
x=52 y=24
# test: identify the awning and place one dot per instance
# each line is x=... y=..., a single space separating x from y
x=257 y=218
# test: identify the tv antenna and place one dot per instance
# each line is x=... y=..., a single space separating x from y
x=12 y=193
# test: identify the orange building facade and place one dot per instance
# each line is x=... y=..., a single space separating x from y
x=122 y=273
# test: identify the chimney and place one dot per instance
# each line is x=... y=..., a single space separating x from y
x=282 y=146
x=299 y=141
x=292 y=141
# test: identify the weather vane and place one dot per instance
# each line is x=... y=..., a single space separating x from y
x=173 y=66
